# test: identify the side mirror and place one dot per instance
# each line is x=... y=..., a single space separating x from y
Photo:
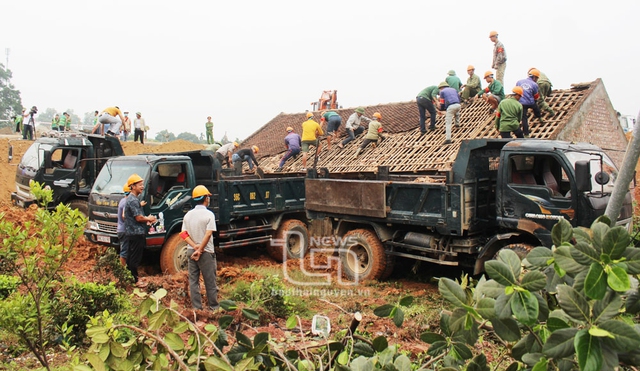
x=47 y=160
x=583 y=176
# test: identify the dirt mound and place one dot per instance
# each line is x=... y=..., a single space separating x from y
x=131 y=148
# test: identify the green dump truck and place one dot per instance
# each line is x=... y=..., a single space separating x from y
x=250 y=211
x=67 y=164
x=498 y=194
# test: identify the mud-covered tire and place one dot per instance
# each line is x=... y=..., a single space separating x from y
x=521 y=249
x=80 y=205
x=362 y=256
x=295 y=235
x=391 y=264
x=173 y=257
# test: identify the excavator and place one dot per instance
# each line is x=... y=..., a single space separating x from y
x=328 y=100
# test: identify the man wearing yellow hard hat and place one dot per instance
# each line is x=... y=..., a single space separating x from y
x=224 y=153
x=499 y=56
x=509 y=114
x=242 y=155
x=293 y=142
x=473 y=85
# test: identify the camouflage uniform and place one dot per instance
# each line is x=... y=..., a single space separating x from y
x=499 y=61
x=544 y=89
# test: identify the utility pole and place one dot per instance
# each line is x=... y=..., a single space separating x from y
x=625 y=176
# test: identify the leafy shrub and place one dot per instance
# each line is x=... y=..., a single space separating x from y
x=8 y=285
x=267 y=293
x=109 y=261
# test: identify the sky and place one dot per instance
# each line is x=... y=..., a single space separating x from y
x=244 y=62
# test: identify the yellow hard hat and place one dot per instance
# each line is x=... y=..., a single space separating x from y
x=377 y=115
x=126 y=188
x=470 y=67
x=534 y=72
x=255 y=149
x=309 y=114
x=235 y=144
x=488 y=73
x=518 y=90
x=493 y=33
x=289 y=129
x=200 y=191
x=133 y=179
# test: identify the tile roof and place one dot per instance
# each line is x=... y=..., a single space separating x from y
x=405 y=149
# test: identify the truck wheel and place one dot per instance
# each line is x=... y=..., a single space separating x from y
x=81 y=206
x=296 y=241
x=173 y=257
x=521 y=249
x=362 y=256
x=391 y=264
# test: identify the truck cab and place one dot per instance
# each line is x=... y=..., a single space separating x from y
x=67 y=164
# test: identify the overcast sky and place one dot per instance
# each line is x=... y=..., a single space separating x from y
x=244 y=62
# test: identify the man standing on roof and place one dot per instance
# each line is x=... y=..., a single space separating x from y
x=426 y=101
x=473 y=85
x=224 y=153
x=528 y=99
x=453 y=80
x=333 y=123
x=245 y=154
x=499 y=56
x=198 y=226
x=449 y=102
x=293 y=142
x=373 y=134
x=544 y=89
x=353 y=126
x=310 y=131
x=209 y=127
x=112 y=116
x=509 y=114
x=135 y=226
x=494 y=93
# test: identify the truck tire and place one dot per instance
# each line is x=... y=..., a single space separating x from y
x=80 y=205
x=296 y=244
x=521 y=249
x=173 y=257
x=362 y=256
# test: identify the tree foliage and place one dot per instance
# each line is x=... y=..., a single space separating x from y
x=165 y=136
x=10 y=102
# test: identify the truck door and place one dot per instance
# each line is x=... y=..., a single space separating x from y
x=61 y=172
x=169 y=184
x=535 y=193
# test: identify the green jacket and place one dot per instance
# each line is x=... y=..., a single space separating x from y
x=55 y=122
x=372 y=133
x=509 y=115
x=429 y=93
x=494 y=88
x=63 y=121
x=473 y=82
x=209 y=125
x=454 y=82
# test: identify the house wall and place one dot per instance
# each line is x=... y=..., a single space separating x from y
x=595 y=122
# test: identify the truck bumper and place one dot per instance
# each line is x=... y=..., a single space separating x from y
x=18 y=200
x=102 y=238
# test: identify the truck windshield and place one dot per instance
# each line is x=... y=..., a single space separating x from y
x=114 y=175
x=34 y=157
x=594 y=161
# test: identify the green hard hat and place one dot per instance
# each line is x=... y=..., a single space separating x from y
x=443 y=85
x=360 y=110
x=451 y=72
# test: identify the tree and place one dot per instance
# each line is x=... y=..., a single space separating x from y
x=47 y=114
x=165 y=136
x=189 y=137
x=10 y=102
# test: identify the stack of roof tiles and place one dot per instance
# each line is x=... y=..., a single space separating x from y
x=405 y=149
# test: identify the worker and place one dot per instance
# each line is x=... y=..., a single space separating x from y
x=126 y=127
x=544 y=89
x=209 y=128
x=198 y=227
x=293 y=142
x=493 y=93
x=122 y=237
x=67 y=124
x=333 y=121
x=224 y=153
x=449 y=102
x=453 y=80
x=528 y=99
x=18 y=121
x=63 y=122
x=55 y=122
x=96 y=125
x=112 y=116
x=354 y=126
x=138 y=125
x=373 y=134
x=135 y=226
x=310 y=131
x=245 y=154
x=426 y=100
x=509 y=114
x=499 y=56
x=473 y=85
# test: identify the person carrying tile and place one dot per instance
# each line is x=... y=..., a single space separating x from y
x=426 y=101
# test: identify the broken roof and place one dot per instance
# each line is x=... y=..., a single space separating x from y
x=406 y=150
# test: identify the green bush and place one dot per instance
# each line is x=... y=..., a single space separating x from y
x=77 y=301
x=269 y=294
x=8 y=285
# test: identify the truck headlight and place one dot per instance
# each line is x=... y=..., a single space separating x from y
x=93 y=225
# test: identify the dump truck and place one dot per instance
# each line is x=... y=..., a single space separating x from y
x=498 y=194
x=67 y=164
x=249 y=210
